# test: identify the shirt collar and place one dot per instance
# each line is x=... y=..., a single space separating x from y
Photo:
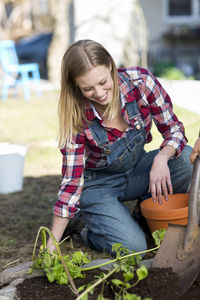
x=90 y=111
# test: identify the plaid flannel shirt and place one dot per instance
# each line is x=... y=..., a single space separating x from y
x=153 y=104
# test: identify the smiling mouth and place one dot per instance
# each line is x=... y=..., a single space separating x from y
x=102 y=98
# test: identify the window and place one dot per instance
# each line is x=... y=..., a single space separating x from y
x=180 y=7
x=182 y=11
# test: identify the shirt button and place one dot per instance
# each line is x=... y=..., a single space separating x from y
x=138 y=126
x=108 y=151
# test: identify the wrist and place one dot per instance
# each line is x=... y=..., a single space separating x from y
x=167 y=153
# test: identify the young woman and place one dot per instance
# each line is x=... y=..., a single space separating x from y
x=105 y=120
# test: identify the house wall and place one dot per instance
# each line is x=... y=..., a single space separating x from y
x=158 y=25
x=154 y=19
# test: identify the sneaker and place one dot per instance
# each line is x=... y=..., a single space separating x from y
x=75 y=225
x=84 y=234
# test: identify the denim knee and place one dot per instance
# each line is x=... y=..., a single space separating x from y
x=181 y=171
x=188 y=167
x=131 y=238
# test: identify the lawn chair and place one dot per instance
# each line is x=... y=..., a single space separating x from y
x=15 y=73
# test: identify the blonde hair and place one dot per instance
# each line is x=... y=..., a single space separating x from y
x=79 y=58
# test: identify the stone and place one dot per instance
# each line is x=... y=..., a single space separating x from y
x=17 y=281
x=10 y=274
x=8 y=292
x=5 y=298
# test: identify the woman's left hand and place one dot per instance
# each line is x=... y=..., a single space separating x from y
x=160 y=179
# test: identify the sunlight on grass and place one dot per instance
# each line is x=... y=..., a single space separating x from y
x=35 y=124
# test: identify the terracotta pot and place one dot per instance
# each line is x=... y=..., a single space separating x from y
x=175 y=211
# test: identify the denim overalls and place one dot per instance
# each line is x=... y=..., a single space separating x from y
x=126 y=177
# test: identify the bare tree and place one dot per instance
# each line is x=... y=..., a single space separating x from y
x=135 y=47
x=18 y=23
x=59 y=10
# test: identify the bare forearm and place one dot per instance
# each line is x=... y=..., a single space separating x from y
x=166 y=152
x=160 y=180
x=58 y=228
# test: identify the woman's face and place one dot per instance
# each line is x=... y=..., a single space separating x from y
x=97 y=85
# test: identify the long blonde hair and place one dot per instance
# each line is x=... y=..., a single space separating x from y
x=79 y=58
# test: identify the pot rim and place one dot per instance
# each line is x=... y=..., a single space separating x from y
x=166 y=214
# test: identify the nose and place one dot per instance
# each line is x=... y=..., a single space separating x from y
x=99 y=92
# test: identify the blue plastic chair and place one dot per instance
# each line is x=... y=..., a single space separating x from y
x=19 y=73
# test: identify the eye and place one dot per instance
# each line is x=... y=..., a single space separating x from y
x=103 y=82
x=87 y=89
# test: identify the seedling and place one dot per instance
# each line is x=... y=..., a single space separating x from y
x=56 y=266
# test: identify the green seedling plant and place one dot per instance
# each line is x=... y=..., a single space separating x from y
x=63 y=269
x=126 y=284
x=55 y=266
x=127 y=263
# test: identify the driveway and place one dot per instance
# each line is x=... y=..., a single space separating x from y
x=183 y=93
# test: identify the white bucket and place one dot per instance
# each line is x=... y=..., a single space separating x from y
x=11 y=167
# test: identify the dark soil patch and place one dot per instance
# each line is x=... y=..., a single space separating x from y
x=161 y=284
x=22 y=215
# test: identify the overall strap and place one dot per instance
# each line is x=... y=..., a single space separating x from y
x=132 y=108
x=99 y=133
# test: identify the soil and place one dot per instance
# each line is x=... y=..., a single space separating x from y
x=24 y=212
x=160 y=284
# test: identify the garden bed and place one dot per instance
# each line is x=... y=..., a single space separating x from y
x=160 y=284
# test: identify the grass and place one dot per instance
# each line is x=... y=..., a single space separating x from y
x=34 y=123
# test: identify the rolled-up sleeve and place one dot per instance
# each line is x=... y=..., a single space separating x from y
x=161 y=108
x=72 y=179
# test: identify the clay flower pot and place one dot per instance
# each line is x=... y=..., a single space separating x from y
x=175 y=211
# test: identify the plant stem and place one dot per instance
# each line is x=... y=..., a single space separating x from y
x=95 y=284
x=120 y=258
x=43 y=229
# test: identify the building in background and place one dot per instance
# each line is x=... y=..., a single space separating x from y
x=173 y=34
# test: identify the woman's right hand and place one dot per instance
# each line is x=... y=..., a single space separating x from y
x=50 y=245
x=195 y=151
x=58 y=228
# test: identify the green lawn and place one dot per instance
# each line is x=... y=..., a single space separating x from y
x=34 y=123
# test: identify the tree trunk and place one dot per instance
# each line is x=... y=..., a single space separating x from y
x=59 y=10
x=135 y=47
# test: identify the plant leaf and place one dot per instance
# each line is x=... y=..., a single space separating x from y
x=142 y=272
x=50 y=276
x=158 y=236
x=128 y=296
x=128 y=276
x=117 y=282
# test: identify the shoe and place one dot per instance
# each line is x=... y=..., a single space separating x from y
x=75 y=225
x=84 y=235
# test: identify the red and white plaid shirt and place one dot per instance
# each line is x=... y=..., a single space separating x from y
x=153 y=104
